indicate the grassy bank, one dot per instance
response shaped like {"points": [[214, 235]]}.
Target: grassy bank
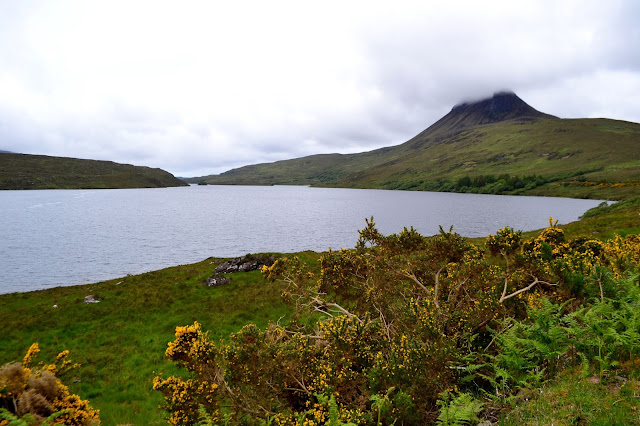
{"points": [[121, 341], [573, 399]]}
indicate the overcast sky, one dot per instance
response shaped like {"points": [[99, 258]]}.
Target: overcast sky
{"points": [[200, 87]]}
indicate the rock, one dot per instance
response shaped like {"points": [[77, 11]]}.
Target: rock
{"points": [[54, 306], [216, 280], [594, 380], [90, 299], [244, 264], [524, 395]]}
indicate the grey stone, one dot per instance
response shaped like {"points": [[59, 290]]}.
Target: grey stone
{"points": [[216, 280], [244, 264]]}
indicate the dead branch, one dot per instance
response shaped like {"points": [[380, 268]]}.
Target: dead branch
{"points": [[387, 326], [239, 401], [522, 290], [455, 292], [497, 334], [301, 384], [308, 336], [506, 276], [322, 310], [436, 288], [415, 280], [601, 289], [336, 308], [422, 286]]}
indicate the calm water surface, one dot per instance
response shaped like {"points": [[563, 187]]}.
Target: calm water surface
{"points": [[67, 237]]}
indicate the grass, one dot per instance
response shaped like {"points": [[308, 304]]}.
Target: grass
{"points": [[120, 341], [23, 171], [575, 400]]}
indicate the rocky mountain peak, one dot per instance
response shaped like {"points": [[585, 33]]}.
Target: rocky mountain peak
{"points": [[501, 106]]}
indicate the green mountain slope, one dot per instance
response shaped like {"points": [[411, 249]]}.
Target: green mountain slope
{"points": [[23, 171], [484, 141]]}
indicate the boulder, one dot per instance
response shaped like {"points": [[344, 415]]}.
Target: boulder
{"points": [[90, 299], [216, 280], [244, 264]]}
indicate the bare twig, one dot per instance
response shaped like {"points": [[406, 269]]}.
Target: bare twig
{"points": [[522, 290], [436, 288], [494, 337], [336, 307], [601, 290], [506, 276], [322, 311], [455, 292], [387, 327], [422, 286], [415, 280], [235, 397], [300, 383]]}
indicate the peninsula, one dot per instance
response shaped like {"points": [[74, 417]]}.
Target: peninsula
{"points": [[24, 171]]}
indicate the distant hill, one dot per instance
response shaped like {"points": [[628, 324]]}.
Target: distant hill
{"points": [[495, 145], [5, 152], [23, 171]]}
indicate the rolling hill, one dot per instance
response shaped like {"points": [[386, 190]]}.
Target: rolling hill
{"points": [[24, 171], [496, 145]]}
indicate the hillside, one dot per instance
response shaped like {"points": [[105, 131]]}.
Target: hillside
{"points": [[482, 142], [23, 171]]}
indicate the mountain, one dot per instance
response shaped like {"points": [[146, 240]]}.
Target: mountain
{"points": [[24, 171], [472, 149], [502, 106]]}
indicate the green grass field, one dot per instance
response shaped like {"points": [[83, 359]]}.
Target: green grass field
{"points": [[575, 400]]}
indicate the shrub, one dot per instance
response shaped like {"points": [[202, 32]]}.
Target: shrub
{"points": [[389, 328], [34, 394]]}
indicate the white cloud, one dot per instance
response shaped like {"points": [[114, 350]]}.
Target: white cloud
{"points": [[199, 87]]}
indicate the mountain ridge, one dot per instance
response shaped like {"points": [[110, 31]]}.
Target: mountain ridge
{"points": [[496, 136]]}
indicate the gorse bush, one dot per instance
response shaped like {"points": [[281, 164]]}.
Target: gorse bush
{"points": [[389, 332], [31, 395]]}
